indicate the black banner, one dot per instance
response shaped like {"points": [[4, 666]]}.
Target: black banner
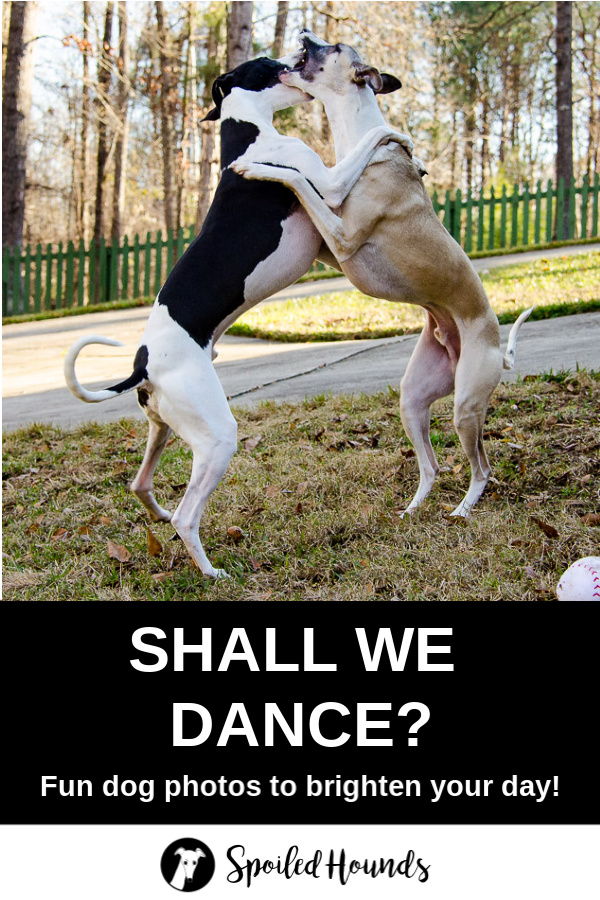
{"points": [[386, 713]]}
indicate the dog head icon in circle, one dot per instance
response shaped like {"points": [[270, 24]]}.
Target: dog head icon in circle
{"points": [[188, 860]]}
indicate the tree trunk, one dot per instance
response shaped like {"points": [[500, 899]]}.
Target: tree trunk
{"points": [[123, 65], [208, 138], [280, 23], [16, 105], [239, 33], [168, 111], [564, 103], [104, 74], [84, 154]]}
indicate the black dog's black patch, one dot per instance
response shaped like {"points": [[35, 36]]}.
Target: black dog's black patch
{"points": [[243, 227]]}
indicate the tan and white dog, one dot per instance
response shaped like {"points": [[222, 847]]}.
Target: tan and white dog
{"points": [[388, 240]]}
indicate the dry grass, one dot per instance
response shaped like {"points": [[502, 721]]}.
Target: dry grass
{"points": [[318, 500]]}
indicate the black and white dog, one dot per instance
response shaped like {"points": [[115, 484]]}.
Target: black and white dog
{"points": [[256, 240]]}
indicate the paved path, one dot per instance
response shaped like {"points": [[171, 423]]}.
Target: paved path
{"points": [[34, 389]]}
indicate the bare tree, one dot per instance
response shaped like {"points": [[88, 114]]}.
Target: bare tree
{"points": [[239, 33], [168, 112], [564, 102], [123, 64], [83, 211], [208, 133], [102, 102], [280, 23], [16, 105]]}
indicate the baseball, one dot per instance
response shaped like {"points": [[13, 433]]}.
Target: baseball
{"points": [[581, 581]]}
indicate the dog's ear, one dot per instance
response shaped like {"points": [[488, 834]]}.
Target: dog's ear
{"points": [[212, 115], [390, 83], [368, 75], [220, 89]]}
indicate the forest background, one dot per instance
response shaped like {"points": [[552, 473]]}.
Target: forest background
{"points": [[103, 101]]}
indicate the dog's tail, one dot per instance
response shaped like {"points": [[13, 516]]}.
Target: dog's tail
{"points": [[139, 374], [511, 347]]}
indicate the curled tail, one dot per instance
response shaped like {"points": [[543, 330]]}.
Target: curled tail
{"points": [[511, 347], [138, 375]]}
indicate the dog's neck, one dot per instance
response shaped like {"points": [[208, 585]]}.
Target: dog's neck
{"points": [[249, 106], [351, 117]]}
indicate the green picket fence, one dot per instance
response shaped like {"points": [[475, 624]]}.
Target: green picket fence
{"points": [[35, 279]]}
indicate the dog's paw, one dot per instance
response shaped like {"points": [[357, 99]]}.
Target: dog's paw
{"points": [[217, 574], [404, 140]]}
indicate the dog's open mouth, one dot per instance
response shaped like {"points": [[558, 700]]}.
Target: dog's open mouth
{"points": [[302, 60]]}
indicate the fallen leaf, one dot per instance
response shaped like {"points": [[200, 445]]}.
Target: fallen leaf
{"points": [[457, 469], [154, 545], [251, 443], [84, 529], [104, 520], [298, 508], [408, 453], [162, 576], [273, 490], [591, 519], [118, 552], [256, 565], [265, 596], [548, 530], [59, 534], [235, 533]]}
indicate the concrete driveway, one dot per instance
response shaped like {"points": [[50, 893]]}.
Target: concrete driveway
{"points": [[250, 370]]}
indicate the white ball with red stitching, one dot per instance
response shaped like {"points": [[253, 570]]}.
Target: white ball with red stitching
{"points": [[581, 581]]}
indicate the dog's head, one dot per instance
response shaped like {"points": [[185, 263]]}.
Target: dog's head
{"points": [[259, 77], [189, 860], [325, 68]]}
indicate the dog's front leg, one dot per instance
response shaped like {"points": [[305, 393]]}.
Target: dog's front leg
{"points": [[339, 180]]}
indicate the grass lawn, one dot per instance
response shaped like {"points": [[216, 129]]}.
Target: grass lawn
{"points": [[315, 490], [557, 286]]}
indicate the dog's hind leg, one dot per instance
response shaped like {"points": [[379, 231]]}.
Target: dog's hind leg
{"points": [[142, 485], [477, 375], [203, 419], [428, 377]]}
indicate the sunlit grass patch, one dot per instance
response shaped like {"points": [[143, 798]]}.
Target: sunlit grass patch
{"points": [[556, 286]]}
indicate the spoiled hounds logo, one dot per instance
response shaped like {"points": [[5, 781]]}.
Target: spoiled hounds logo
{"points": [[187, 865]]}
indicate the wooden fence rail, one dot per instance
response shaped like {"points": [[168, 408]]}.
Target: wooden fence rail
{"points": [[35, 279]]}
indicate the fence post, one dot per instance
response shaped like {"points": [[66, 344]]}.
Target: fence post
{"points": [[585, 188], [27, 280], [170, 244], [70, 275], [136, 267], [435, 204], [59, 276], [17, 304], [594, 232], [81, 274], [469, 223], [572, 211], [560, 210], [180, 247], [125, 269], [37, 284], [5, 280], [158, 263], [526, 199], [503, 215], [492, 226], [549, 195], [147, 264], [514, 225], [480, 214], [538, 213], [48, 300]]}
